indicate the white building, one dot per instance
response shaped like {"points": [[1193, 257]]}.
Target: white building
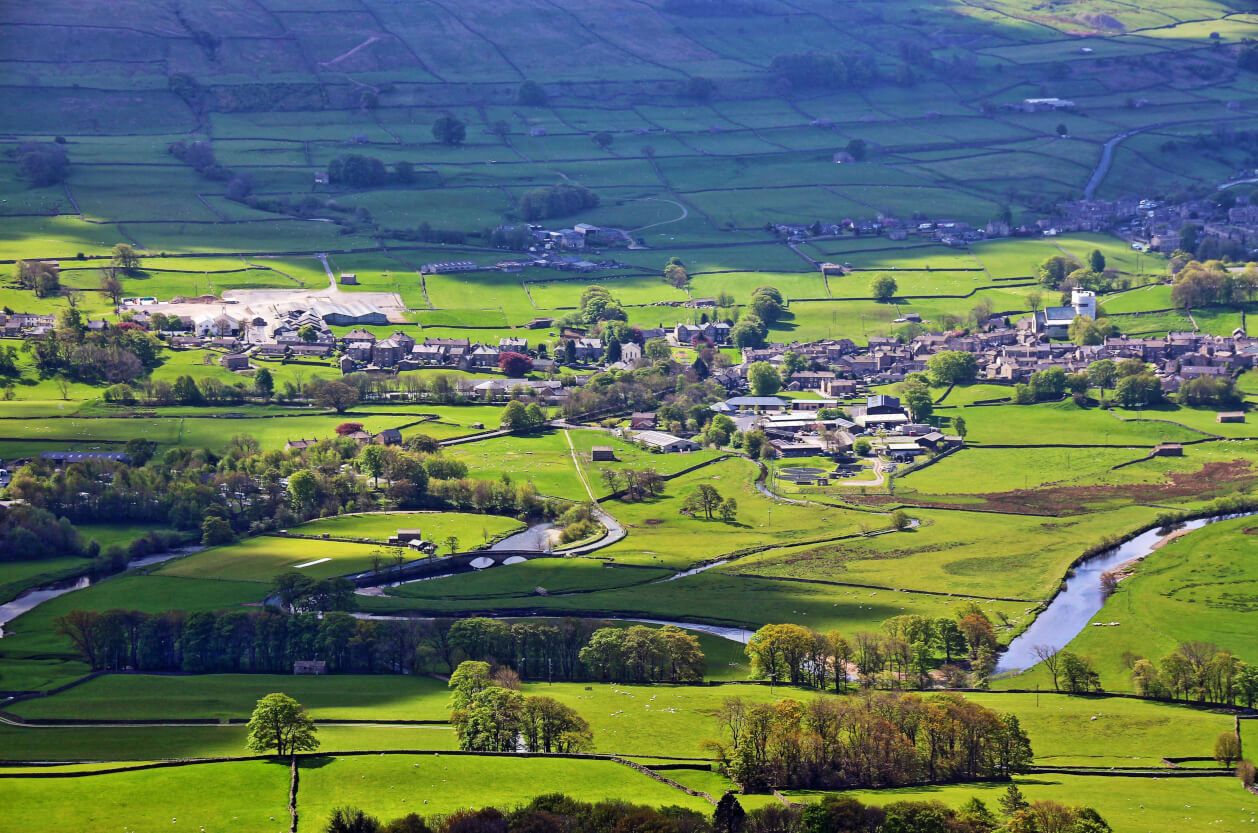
{"points": [[216, 325], [665, 442], [1084, 302]]}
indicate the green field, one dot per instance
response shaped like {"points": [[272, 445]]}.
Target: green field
{"points": [[697, 128], [1130, 805]]}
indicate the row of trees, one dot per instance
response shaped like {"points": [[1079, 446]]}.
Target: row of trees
{"points": [[1133, 383], [557, 813], [826, 70], [1196, 672], [877, 740], [270, 640], [639, 654]]}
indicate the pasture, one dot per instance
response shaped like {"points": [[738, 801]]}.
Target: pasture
{"points": [[939, 133], [1130, 805]]}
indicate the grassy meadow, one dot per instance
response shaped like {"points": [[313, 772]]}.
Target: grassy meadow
{"points": [[281, 90]]}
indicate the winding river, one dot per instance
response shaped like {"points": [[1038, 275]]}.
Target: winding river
{"points": [[1064, 618], [30, 599], [1073, 608]]}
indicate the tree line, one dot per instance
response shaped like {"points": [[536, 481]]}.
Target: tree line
{"points": [[877, 740], [559, 813], [270, 640], [1195, 671]]}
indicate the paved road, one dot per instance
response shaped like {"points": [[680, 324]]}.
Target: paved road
{"points": [[1107, 151]]}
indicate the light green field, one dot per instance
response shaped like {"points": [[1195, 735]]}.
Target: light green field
{"points": [[543, 459], [977, 470], [1064, 422], [248, 795], [1109, 731], [143, 743], [980, 553], [471, 530], [394, 785], [261, 559], [1130, 805]]}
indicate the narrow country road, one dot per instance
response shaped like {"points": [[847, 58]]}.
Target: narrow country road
{"points": [[615, 532], [685, 212]]}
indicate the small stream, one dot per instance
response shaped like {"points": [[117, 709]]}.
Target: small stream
{"points": [[1072, 609], [34, 597]]}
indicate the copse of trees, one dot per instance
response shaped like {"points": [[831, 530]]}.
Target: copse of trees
{"points": [[952, 367], [559, 200], [44, 279], [42, 163], [270, 640], [448, 130], [675, 273], [915, 393], [490, 715], [355, 170], [1200, 284], [115, 354], [884, 740], [884, 287], [182, 486], [1086, 331], [749, 331], [200, 157], [904, 655], [826, 70], [767, 304], [531, 94], [1210, 391], [633, 484], [29, 533], [640, 654], [706, 500], [517, 417]]}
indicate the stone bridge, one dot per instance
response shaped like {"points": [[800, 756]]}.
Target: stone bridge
{"points": [[460, 562]]}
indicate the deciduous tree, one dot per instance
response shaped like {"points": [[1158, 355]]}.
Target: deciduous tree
{"points": [[281, 724]]}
